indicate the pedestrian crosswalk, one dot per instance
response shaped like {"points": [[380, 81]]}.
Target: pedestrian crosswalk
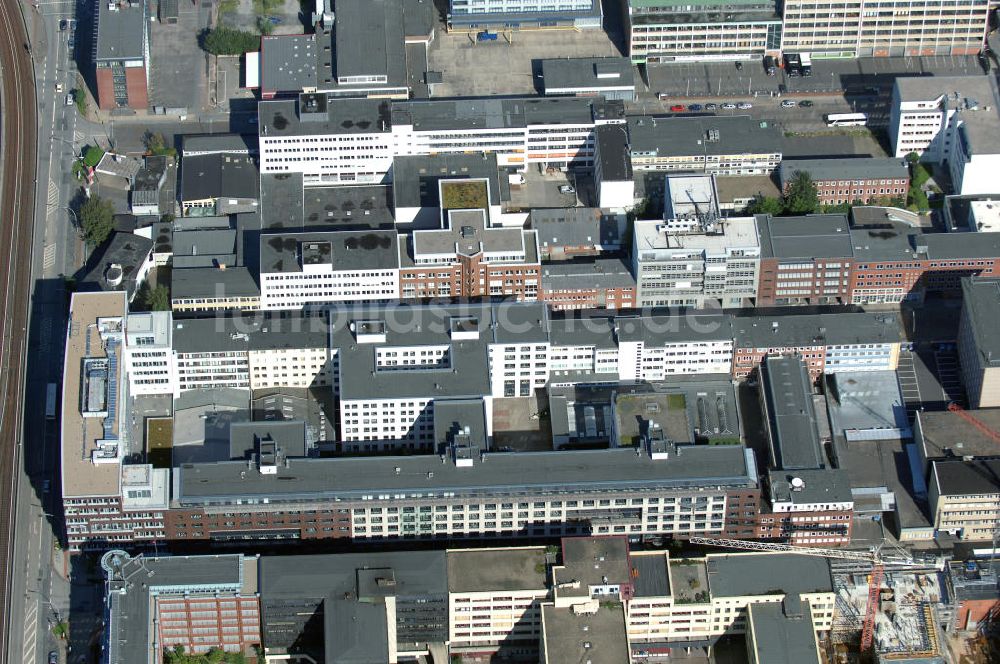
{"points": [[49, 256], [52, 196]]}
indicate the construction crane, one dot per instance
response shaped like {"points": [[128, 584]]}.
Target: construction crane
{"points": [[872, 557]]}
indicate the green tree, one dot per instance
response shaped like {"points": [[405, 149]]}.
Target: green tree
{"points": [[80, 99], [226, 41], [152, 299], [92, 156], [801, 196], [912, 157], [156, 144], [96, 220], [766, 205]]}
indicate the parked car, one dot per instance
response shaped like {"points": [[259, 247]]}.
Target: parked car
{"points": [[566, 189], [728, 107], [69, 100], [677, 108], [711, 107], [744, 106], [789, 103], [739, 66], [59, 87], [805, 103], [53, 657], [695, 107], [63, 24]]}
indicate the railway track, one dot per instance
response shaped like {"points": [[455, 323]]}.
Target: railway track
{"points": [[18, 156]]}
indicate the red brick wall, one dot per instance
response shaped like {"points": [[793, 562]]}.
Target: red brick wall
{"points": [[135, 86], [105, 89]]}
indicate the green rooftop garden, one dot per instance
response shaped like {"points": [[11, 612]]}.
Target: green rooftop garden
{"points": [[464, 195]]}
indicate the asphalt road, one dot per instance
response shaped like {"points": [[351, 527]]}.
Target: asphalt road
{"points": [[17, 158]]}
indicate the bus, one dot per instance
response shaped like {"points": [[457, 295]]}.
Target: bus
{"points": [[846, 120], [50, 401]]}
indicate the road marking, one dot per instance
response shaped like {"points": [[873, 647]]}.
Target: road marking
{"points": [[52, 197], [49, 256]]}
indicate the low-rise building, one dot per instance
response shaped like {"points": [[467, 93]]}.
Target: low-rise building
{"points": [[964, 495], [121, 54], [613, 169], [416, 188], [565, 233], [609, 77], [804, 260], [219, 289], [869, 180], [720, 145], [219, 184], [977, 341], [601, 283]]}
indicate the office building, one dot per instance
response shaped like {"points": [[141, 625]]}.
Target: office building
{"points": [[952, 121], [860, 29], [219, 184], [719, 145], [416, 186], [804, 260], [219, 289], [838, 181], [600, 283], [715, 263], [613, 169], [352, 141], [670, 31], [472, 15], [964, 495], [300, 269], [976, 338], [149, 364], [121, 54], [566, 233]]}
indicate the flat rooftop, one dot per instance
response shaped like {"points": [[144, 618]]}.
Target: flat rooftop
{"points": [[322, 116], [80, 435], [810, 237], [782, 636], [121, 30], [573, 227], [513, 113], [586, 74], [580, 274], [673, 136], [745, 574], [957, 477], [981, 306], [944, 434], [650, 574], [795, 330], [861, 168], [863, 404], [341, 250], [415, 178], [728, 233], [795, 443], [351, 478], [593, 561], [493, 570], [571, 638]]}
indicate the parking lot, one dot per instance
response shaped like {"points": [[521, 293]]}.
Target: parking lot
{"points": [[510, 65], [179, 66]]}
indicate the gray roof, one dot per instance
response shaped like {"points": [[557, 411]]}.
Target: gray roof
{"points": [[343, 250], [794, 438], [151, 176], [956, 477], [210, 335], [687, 136], [415, 178], [331, 575], [369, 39], [651, 577], [945, 434], [789, 330], [598, 273], [355, 632], [574, 227], [827, 485], [492, 113], [572, 638], [525, 17], [467, 233], [281, 201], [289, 436], [981, 307], [129, 601], [124, 249], [956, 92], [492, 570], [597, 330], [578, 470], [348, 208], [613, 153], [861, 168], [212, 282], [783, 633], [220, 175], [323, 116], [587, 73], [207, 243], [461, 422], [743, 574], [122, 32], [288, 62], [810, 237], [593, 561], [656, 329]]}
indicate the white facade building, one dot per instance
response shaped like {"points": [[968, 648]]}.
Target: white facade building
{"points": [[715, 262], [149, 353]]}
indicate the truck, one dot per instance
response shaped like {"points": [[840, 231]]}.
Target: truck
{"points": [[807, 65], [486, 36], [50, 401], [793, 64]]}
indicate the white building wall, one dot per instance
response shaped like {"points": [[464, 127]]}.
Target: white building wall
{"points": [[201, 370], [518, 369], [293, 290], [289, 367], [374, 424], [329, 159]]}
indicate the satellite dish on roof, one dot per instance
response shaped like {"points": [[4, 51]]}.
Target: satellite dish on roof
{"points": [[798, 484]]}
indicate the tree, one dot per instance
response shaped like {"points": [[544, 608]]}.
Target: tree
{"points": [[92, 156], [152, 299], [801, 196], [226, 41], [96, 220], [766, 205], [80, 99], [156, 144], [912, 157]]}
